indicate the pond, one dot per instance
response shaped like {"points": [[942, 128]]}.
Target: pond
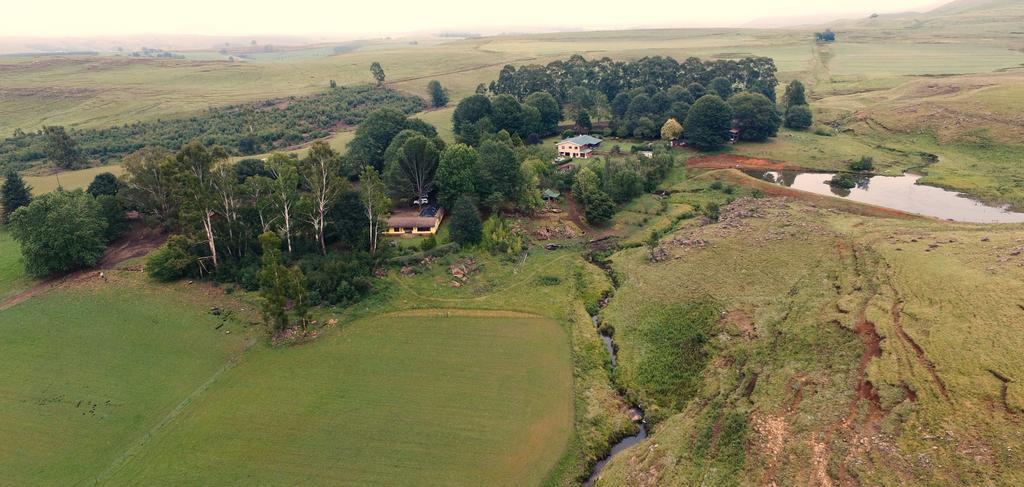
{"points": [[896, 192]]}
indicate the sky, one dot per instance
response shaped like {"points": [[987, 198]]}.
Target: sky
{"points": [[351, 19]]}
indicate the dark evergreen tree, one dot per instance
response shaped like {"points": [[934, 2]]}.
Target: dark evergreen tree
{"points": [[14, 194], [438, 95], [466, 227]]}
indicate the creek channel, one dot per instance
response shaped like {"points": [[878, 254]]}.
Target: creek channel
{"points": [[636, 413]]}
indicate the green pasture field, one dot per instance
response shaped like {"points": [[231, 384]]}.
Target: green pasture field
{"points": [[91, 371], [468, 397], [427, 399]]}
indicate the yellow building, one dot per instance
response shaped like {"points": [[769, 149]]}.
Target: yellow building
{"points": [[413, 222]]}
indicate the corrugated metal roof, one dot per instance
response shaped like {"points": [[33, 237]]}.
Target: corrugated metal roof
{"points": [[583, 140]]}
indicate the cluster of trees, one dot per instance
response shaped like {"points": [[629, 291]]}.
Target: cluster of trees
{"points": [[222, 210], [478, 116], [240, 129], [63, 231], [600, 187], [652, 74]]}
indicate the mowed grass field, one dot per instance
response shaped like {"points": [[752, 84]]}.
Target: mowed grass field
{"points": [[89, 372], [130, 382], [410, 399]]}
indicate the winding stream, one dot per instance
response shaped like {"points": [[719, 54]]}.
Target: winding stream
{"points": [[896, 192], [636, 413]]}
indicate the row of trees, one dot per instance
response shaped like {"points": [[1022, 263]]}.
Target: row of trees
{"points": [[241, 129], [560, 78]]}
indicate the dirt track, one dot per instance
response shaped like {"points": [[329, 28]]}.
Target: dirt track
{"points": [[137, 243]]}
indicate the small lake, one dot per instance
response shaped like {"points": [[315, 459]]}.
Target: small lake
{"points": [[896, 192]]}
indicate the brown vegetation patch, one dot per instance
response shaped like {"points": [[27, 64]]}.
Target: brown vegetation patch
{"points": [[732, 161]]}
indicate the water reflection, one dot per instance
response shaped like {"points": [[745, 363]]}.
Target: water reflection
{"points": [[896, 192]]}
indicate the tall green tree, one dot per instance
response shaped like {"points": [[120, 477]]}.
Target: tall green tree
{"points": [[376, 204], [275, 283], [756, 116], [721, 86], [60, 232], [414, 166], [795, 94], [438, 95], [466, 227], [148, 180], [455, 173], [708, 123], [378, 72], [14, 194], [508, 114], [373, 137], [62, 149], [583, 121], [497, 171], [194, 189], [285, 193], [320, 176], [549, 109]]}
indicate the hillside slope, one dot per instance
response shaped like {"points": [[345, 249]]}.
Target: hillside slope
{"points": [[848, 351]]}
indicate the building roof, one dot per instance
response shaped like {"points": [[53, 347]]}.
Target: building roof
{"points": [[401, 221], [583, 140], [550, 194]]}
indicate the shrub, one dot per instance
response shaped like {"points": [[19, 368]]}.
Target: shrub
{"points": [[548, 280], [428, 243], [716, 185], [711, 211], [171, 261], [842, 180], [338, 278], [502, 237], [865, 163]]}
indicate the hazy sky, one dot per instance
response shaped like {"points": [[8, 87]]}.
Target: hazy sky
{"points": [[347, 18]]}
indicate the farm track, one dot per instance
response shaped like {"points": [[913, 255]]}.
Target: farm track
{"points": [[137, 243]]}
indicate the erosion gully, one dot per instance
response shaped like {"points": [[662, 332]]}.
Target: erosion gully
{"points": [[636, 413]]}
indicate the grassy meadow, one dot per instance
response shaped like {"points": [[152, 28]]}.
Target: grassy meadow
{"points": [[836, 329]]}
